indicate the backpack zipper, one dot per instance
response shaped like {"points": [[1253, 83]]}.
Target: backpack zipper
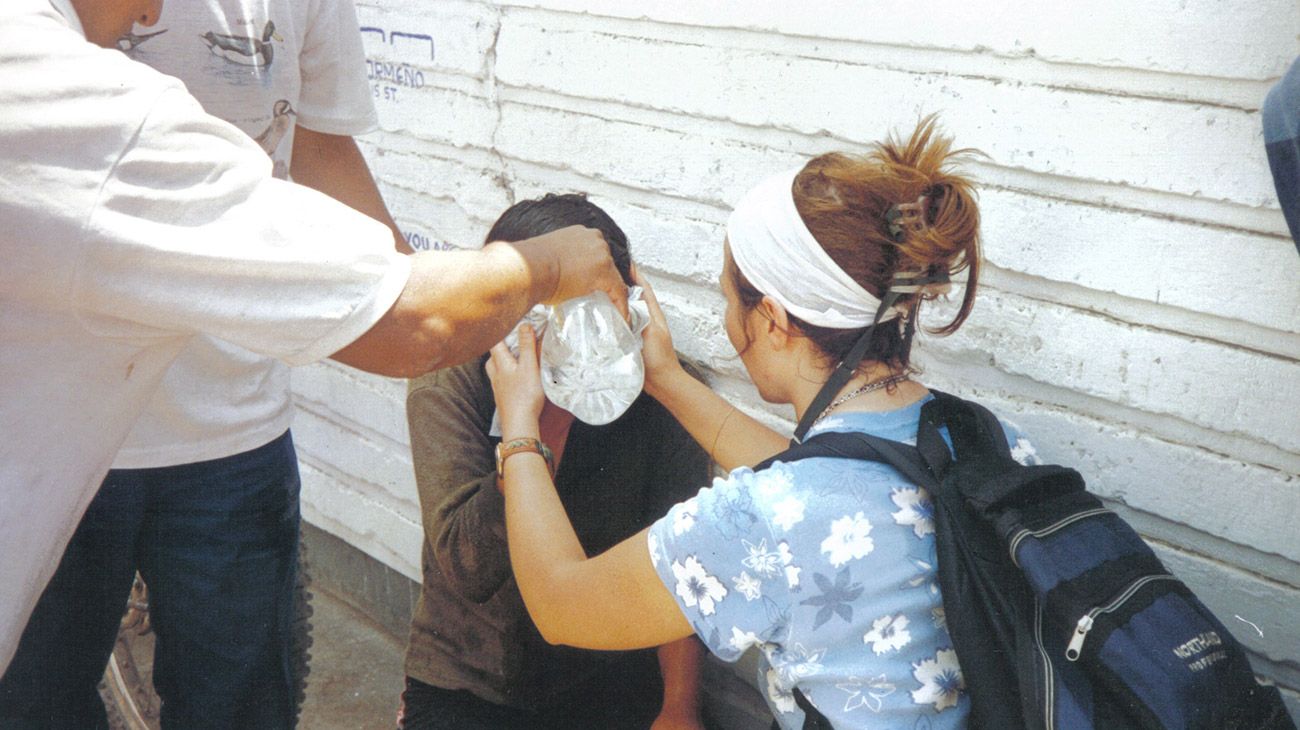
{"points": [[1049, 690], [1075, 648], [1045, 531]]}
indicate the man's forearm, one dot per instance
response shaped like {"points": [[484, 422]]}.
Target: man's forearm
{"points": [[455, 306], [334, 165]]}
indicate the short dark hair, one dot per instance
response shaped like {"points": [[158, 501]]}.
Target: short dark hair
{"points": [[551, 212]]}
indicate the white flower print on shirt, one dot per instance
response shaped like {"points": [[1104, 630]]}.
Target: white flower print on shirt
{"points": [[888, 633], [731, 509], [780, 697], [868, 693], [788, 512], [652, 542], [696, 587], [787, 560], [749, 586], [684, 519], [926, 577], [759, 559], [915, 509], [850, 539], [1024, 452], [774, 481], [939, 618], [941, 680], [742, 640], [798, 663]]}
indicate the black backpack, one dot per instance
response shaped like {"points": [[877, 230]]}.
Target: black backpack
{"points": [[1061, 616]]}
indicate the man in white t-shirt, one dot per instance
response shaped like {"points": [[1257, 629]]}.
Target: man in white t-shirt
{"points": [[203, 496], [132, 222]]}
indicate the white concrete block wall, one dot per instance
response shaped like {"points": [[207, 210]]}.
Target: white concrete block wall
{"points": [[1140, 315]]}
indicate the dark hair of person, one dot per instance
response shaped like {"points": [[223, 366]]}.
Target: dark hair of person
{"points": [[843, 199], [552, 212]]}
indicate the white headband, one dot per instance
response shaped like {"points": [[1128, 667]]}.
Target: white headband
{"points": [[778, 254]]}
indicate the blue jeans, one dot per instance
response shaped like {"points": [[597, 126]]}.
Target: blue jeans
{"points": [[217, 545]]}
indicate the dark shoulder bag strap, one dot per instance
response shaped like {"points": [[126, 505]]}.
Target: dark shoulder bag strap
{"points": [[903, 457]]}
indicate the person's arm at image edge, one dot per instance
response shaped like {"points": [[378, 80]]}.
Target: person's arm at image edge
{"points": [[334, 165]]}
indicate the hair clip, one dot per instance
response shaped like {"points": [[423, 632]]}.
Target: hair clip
{"points": [[902, 217], [931, 283]]}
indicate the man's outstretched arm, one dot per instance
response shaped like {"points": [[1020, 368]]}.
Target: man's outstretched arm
{"points": [[457, 304]]}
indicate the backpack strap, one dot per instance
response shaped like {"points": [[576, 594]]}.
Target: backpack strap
{"points": [[903, 457], [975, 432]]}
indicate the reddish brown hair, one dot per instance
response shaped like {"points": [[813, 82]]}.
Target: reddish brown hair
{"points": [[843, 200]]}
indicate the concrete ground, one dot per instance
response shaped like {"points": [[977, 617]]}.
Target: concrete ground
{"points": [[356, 669]]}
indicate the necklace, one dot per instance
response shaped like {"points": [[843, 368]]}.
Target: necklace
{"points": [[869, 387]]}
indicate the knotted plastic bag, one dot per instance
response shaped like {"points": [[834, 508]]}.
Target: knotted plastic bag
{"points": [[593, 368], [591, 359]]}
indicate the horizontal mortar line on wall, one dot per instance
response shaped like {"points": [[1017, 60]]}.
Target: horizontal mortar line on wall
{"points": [[1198, 552], [349, 484], [354, 487], [374, 439], [577, 180], [1245, 94], [1145, 314], [1285, 675], [1233, 446], [1272, 568], [703, 211], [1222, 214], [383, 143], [444, 198]]}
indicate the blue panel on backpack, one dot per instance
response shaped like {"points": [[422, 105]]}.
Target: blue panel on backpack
{"points": [[1076, 549], [1171, 655]]}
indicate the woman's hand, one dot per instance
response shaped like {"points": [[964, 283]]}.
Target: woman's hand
{"points": [[517, 386], [661, 363]]}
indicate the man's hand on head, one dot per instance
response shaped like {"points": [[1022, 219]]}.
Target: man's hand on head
{"points": [[582, 264]]}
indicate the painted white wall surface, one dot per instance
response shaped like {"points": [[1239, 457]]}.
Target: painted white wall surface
{"points": [[1140, 314]]}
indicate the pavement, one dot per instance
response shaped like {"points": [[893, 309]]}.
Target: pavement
{"points": [[356, 669]]}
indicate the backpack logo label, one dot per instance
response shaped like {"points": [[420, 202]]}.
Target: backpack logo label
{"points": [[1196, 645]]}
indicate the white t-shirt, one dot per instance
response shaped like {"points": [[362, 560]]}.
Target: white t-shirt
{"points": [[129, 222], [262, 65]]}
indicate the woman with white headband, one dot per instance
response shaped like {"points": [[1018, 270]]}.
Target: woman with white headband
{"points": [[825, 564]]}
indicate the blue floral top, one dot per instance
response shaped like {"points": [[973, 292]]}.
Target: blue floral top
{"points": [[827, 565]]}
